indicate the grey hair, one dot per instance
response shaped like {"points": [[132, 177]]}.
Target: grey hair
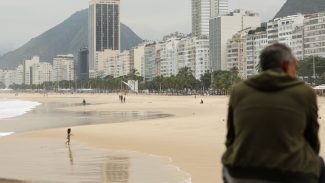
{"points": [[273, 56]]}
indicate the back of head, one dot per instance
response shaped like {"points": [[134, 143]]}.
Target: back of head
{"points": [[274, 56]]}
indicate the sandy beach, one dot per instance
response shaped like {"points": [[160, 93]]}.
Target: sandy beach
{"points": [[193, 137]]}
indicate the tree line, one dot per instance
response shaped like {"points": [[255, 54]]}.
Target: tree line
{"points": [[184, 82]]}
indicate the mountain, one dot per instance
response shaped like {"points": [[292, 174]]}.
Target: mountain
{"points": [[65, 38], [292, 7]]}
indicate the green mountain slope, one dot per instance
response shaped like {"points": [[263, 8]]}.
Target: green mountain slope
{"points": [[65, 38]]}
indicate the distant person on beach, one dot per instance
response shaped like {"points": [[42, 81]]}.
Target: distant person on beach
{"points": [[273, 125], [201, 101], [124, 99], [68, 136], [84, 102]]}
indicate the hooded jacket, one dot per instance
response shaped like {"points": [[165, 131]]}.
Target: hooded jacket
{"points": [[273, 130]]}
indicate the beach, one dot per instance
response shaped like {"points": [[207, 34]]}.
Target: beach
{"points": [[192, 135]]}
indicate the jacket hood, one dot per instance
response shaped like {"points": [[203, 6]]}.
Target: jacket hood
{"points": [[273, 80]]}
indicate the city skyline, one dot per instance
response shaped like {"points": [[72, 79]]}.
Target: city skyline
{"points": [[147, 27]]}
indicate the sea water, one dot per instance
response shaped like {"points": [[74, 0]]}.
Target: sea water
{"points": [[13, 108]]}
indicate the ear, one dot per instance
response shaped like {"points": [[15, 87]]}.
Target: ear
{"points": [[285, 66]]}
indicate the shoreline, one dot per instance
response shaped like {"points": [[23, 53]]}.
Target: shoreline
{"points": [[194, 137]]}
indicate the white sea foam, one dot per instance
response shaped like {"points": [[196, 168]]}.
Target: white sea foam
{"points": [[3, 134], [13, 108]]}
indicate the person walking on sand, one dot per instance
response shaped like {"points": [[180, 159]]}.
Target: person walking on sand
{"points": [[68, 136], [124, 99], [273, 125], [84, 102]]}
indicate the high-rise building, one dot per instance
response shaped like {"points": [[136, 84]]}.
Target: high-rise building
{"points": [[256, 41], [219, 8], [137, 58], [168, 57], [314, 34], [27, 69], [237, 53], [201, 11], [41, 72], [19, 74], [222, 28], [63, 68], [104, 29], [202, 60], [83, 64], [150, 55]]}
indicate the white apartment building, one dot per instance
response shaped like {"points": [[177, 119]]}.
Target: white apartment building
{"points": [[103, 28], [19, 75], [41, 72], [124, 63], [116, 63], [314, 35], [150, 60], [256, 41], [8, 77], [63, 68], [169, 57], [202, 59], [186, 53], [236, 53], [287, 30], [101, 61], [27, 69], [222, 29], [137, 58], [297, 42]]}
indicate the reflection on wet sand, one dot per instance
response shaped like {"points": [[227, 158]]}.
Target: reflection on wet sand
{"points": [[70, 156], [56, 162], [116, 170]]}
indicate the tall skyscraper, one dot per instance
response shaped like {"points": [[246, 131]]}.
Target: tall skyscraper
{"points": [[200, 17], [202, 11], [83, 64], [219, 8], [104, 29]]}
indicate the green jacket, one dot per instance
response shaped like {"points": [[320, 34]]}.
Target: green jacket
{"points": [[273, 130]]}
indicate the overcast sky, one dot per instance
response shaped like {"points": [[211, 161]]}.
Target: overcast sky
{"points": [[22, 20]]}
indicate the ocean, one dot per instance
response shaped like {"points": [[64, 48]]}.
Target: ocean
{"points": [[13, 108]]}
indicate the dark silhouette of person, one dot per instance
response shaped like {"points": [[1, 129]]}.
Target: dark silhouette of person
{"points": [[84, 102], [68, 136], [124, 99], [201, 101], [273, 129]]}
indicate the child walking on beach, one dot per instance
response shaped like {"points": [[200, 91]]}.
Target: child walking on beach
{"points": [[68, 136]]}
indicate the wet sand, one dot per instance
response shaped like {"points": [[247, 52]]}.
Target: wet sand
{"points": [[193, 137], [48, 160]]}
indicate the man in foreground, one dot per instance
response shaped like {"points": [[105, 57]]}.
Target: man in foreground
{"points": [[272, 125]]}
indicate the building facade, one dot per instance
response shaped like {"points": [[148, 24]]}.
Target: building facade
{"points": [[256, 41], [63, 68], [219, 8], [151, 51], [83, 64], [41, 72], [27, 69], [104, 29], [222, 29], [314, 35], [201, 12]]}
